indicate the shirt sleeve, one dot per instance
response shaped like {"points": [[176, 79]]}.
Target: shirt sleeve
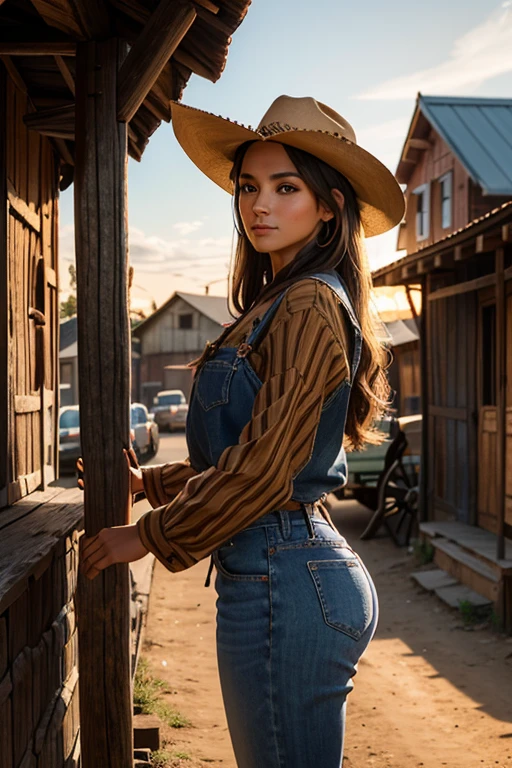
{"points": [[162, 482], [256, 475]]}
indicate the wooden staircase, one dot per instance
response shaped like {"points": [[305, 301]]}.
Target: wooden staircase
{"points": [[468, 554]]}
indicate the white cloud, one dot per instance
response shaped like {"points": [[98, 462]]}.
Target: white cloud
{"points": [[480, 54], [187, 227]]}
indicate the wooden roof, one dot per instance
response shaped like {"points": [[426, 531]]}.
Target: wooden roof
{"points": [[38, 41], [490, 231]]}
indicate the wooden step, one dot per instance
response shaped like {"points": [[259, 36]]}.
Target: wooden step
{"points": [[476, 541], [467, 569], [448, 589]]}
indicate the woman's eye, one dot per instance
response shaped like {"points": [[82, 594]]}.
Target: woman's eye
{"points": [[287, 188], [246, 188]]}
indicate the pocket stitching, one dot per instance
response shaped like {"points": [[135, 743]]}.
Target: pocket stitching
{"points": [[345, 628], [235, 577], [219, 365]]}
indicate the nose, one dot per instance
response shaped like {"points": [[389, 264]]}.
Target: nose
{"points": [[261, 205]]}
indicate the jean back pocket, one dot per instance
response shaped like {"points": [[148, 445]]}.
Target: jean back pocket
{"points": [[213, 383], [345, 594]]}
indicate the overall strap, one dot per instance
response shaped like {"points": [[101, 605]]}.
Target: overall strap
{"points": [[265, 321], [334, 281]]}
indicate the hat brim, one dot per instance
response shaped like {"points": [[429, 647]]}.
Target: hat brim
{"points": [[211, 143]]}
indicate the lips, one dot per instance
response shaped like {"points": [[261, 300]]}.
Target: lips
{"points": [[262, 228]]}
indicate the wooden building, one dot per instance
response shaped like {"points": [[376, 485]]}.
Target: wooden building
{"points": [[457, 164], [82, 84], [174, 335]]}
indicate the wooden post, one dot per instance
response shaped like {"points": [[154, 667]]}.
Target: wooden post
{"points": [[501, 399], [425, 372], [104, 396], [4, 297]]}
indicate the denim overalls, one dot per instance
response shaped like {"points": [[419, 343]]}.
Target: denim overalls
{"points": [[296, 606]]}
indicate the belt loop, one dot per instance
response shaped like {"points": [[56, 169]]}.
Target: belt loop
{"points": [[308, 511], [284, 523]]}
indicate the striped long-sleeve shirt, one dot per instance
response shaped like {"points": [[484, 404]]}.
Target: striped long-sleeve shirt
{"points": [[301, 360]]}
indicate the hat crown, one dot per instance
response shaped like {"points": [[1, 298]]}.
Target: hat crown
{"points": [[306, 113]]}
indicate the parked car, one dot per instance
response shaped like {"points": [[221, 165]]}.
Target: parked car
{"points": [[144, 432], [69, 437], [170, 409]]}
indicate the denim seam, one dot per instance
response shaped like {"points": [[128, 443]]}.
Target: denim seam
{"points": [[314, 544], [270, 539]]}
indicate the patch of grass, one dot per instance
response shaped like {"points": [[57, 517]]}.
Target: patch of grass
{"points": [[161, 758], [147, 696], [423, 551], [474, 614], [182, 755]]}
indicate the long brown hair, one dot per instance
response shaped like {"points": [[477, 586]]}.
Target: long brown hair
{"points": [[339, 246]]}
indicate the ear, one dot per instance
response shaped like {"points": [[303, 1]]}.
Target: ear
{"points": [[327, 214]]}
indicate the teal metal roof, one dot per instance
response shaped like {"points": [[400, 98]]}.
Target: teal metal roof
{"points": [[479, 132]]}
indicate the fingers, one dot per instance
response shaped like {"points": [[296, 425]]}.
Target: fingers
{"points": [[94, 556]]}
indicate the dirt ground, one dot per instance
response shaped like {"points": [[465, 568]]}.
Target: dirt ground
{"points": [[428, 692]]}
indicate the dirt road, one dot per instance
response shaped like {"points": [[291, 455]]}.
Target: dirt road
{"points": [[427, 693]]}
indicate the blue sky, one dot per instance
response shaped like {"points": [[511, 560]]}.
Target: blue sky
{"points": [[366, 60]]}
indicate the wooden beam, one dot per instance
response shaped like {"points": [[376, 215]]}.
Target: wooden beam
{"points": [[14, 74], [66, 73], [38, 49], [190, 61], [58, 122], [80, 18], [21, 209], [419, 144], [103, 605], [501, 402], [207, 5], [165, 29], [455, 290]]}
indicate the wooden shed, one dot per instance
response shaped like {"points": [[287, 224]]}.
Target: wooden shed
{"points": [[466, 332], [82, 85], [173, 336]]}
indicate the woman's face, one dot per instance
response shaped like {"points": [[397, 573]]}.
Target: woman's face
{"points": [[279, 212]]}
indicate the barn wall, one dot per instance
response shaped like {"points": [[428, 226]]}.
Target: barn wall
{"points": [[31, 182], [38, 538], [432, 164], [163, 343]]}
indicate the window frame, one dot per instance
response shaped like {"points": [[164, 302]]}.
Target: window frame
{"points": [[446, 178], [424, 191], [186, 327]]}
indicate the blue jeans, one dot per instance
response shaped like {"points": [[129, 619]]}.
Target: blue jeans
{"points": [[296, 609]]}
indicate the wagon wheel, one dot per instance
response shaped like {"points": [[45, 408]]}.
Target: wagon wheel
{"points": [[397, 504]]}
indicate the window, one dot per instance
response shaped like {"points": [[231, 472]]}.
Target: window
{"points": [[422, 195], [138, 415], [185, 321], [445, 185]]}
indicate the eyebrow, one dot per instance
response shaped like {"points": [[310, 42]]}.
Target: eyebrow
{"points": [[281, 175]]}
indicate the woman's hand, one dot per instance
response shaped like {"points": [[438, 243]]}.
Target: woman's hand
{"points": [[134, 472], [120, 544]]}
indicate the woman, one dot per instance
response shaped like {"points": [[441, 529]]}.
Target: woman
{"points": [[299, 374]]}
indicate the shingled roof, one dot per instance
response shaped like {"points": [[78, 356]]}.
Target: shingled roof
{"points": [[38, 42], [477, 130]]}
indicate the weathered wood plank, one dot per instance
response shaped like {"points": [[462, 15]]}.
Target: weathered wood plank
{"points": [[34, 537], [65, 48], [104, 381], [58, 122], [21, 209], [165, 29], [4, 293]]}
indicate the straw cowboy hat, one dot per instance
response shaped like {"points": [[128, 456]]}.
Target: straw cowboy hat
{"points": [[304, 123]]}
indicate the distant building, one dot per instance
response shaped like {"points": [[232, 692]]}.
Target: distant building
{"points": [[457, 232], [173, 336]]}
